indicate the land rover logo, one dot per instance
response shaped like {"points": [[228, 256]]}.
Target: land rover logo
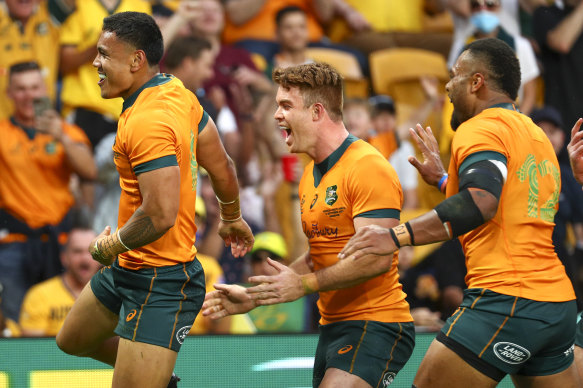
{"points": [[511, 353]]}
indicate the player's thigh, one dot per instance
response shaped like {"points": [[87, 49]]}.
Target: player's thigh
{"points": [[339, 378], [567, 378], [442, 367], [372, 351], [142, 365], [87, 325]]}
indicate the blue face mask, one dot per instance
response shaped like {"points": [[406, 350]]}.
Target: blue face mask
{"points": [[485, 21]]}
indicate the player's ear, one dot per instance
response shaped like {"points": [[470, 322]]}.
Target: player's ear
{"points": [[478, 81], [317, 110], [139, 60]]}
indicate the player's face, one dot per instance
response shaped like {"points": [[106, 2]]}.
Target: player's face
{"points": [[295, 119], [458, 89], [113, 62], [293, 32], [76, 258], [23, 89]]}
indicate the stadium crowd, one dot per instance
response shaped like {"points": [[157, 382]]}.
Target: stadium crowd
{"points": [[59, 185]]}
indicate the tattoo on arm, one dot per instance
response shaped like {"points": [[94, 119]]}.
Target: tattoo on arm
{"points": [[139, 231]]}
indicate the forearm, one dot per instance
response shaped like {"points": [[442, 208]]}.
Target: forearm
{"points": [[417, 116], [79, 158], [324, 10], [141, 229], [460, 8], [564, 35], [241, 11], [346, 273], [172, 27], [529, 97], [224, 180], [302, 265], [72, 59]]}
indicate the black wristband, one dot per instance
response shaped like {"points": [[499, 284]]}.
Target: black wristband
{"points": [[410, 230], [394, 236]]}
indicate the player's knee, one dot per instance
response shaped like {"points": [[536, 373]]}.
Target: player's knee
{"points": [[65, 343]]}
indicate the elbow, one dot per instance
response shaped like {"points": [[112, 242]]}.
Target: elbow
{"points": [[90, 173], [167, 220], [558, 44]]}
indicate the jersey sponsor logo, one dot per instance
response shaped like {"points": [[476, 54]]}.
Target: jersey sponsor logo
{"points": [[317, 232], [182, 333], [511, 353], [345, 349], [388, 379], [51, 148], [314, 201], [331, 195], [131, 315]]}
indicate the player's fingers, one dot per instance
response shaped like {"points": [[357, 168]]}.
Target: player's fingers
{"points": [[576, 127], [414, 162], [261, 280]]}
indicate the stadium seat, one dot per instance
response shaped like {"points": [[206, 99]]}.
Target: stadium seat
{"points": [[355, 84]]}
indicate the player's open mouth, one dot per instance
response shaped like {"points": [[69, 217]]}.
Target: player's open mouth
{"points": [[102, 78]]}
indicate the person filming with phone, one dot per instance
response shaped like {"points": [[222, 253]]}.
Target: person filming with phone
{"points": [[39, 153]]}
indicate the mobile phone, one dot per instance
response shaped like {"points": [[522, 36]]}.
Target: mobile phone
{"points": [[41, 105]]}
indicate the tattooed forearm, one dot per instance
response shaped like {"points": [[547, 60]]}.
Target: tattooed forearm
{"points": [[139, 230]]}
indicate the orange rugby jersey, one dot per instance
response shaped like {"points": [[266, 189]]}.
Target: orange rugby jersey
{"points": [[35, 174], [355, 180], [159, 128], [513, 253]]}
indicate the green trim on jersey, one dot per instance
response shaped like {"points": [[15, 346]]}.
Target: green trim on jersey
{"points": [[164, 161], [157, 80], [321, 169], [482, 155], [203, 121], [381, 213]]}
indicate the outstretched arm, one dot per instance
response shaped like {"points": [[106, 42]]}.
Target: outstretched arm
{"points": [[211, 155], [289, 285]]}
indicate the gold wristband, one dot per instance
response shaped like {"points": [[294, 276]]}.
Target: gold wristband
{"points": [[230, 211], [402, 235]]}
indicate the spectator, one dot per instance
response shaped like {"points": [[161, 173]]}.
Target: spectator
{"points": [[292, 36], [374, 25], [30, 32], [251, 24], [191, 60], [46, 304], [82, 101], [38, 155], [558, 31], [485, 20], [570, 211]]}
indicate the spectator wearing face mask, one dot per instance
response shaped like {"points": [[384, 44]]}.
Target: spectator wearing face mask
{"points": [[486, 21]]}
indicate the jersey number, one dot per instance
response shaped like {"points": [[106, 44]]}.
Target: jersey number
{"points": [[528, 172]]}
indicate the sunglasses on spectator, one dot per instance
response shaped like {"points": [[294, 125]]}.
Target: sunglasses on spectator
{"points": [[489, 4]]}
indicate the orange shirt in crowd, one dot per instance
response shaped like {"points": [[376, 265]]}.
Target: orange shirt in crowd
{"points": [[385, 142], [262, 26], [513, 254], [35, 174], [355, 180], [158, 128]]}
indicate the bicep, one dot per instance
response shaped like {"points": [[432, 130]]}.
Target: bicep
{"points": [[360, 222], [160, 188]]}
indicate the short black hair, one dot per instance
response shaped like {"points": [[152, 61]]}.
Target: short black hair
{"points": [[138, 29], [286, 11], [21, 67], [501, 62], [185, 47]]}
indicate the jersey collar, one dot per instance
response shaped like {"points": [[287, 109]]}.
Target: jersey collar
{"points": [[322, 168], [504, 105], [158, 79], [30, 131]]}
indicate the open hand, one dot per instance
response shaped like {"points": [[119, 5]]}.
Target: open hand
{"points": [[228, 299], [369, 240], [431, 169], [284, 287]]}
